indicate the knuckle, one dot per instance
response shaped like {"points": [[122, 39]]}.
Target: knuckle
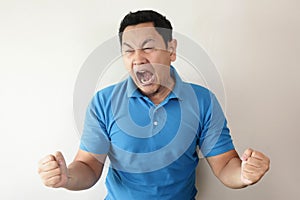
{"points": [[57, 171], [267, 167], [52, 164], [268, 160], [39, 170], [259, 173], [246, 166], [246, 176], [54, 181], [46, 183], [43, 176], [51, 157], [46, 159], [250, 160]]}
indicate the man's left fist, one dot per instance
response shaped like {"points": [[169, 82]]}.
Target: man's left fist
{"points": [[254, 165]]}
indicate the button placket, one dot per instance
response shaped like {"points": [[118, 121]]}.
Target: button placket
{"points": [[158, 118], [155, 117]]}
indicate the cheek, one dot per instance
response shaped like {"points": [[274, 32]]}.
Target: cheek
{"points": [[127, 64], [162, 58], [128, 68], [162, 73]]}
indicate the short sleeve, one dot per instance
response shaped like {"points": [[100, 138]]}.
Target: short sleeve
{"points": [[94, 138], [215, 136]]}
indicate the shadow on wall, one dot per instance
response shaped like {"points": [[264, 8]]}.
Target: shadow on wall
{"points": [[203, 178], [209, 187]]}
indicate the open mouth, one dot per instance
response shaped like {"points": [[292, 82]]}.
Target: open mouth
{"points": [[145, 75]]}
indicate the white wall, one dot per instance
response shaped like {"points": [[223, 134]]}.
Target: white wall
{"points": [[43, 44]]}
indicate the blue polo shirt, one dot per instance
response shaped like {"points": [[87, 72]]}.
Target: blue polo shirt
{"points": [[152, 148]]}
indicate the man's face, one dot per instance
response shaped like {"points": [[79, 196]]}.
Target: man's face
{"points": [[146, 57]]}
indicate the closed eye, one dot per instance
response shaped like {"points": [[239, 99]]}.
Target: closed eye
{"points": [[126, 48], [148, 49], [128, 51]]}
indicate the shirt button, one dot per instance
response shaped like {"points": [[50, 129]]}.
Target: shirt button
{"points": [[155, 123]]}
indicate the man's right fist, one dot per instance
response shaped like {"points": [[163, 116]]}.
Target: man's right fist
{"points": [[53, 170]]}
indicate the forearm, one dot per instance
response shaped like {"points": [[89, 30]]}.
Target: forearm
{"points": [[231, 174], [80, 176]]}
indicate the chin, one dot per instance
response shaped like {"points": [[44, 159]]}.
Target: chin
{"points": [[149, 90]]}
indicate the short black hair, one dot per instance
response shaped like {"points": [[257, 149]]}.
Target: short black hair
{"points": [[161, 23]]}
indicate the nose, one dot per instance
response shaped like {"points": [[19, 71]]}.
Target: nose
{"points": [[139, 57]]}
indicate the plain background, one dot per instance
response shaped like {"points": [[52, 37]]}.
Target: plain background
{"points": [[255, 46]]}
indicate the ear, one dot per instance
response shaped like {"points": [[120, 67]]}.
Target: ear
{"points": [[172, 45]]}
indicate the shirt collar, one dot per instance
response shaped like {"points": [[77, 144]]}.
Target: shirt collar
{"points": [[132, 90]]}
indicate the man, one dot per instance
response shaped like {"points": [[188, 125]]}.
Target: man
{"points": [[150, 125]]}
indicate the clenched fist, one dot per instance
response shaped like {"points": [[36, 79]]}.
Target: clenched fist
{"points": [[53, 170], [254, 165]]}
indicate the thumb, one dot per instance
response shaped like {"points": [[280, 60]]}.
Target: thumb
{"points": [[63, 168], [61, 162], [247, 154]]}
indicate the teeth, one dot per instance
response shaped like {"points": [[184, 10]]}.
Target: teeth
{"points": [[143, 81], [145, 77]]}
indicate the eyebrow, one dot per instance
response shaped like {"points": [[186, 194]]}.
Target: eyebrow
{"points": [[143, 44], [124, 43], [147, 40]]}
